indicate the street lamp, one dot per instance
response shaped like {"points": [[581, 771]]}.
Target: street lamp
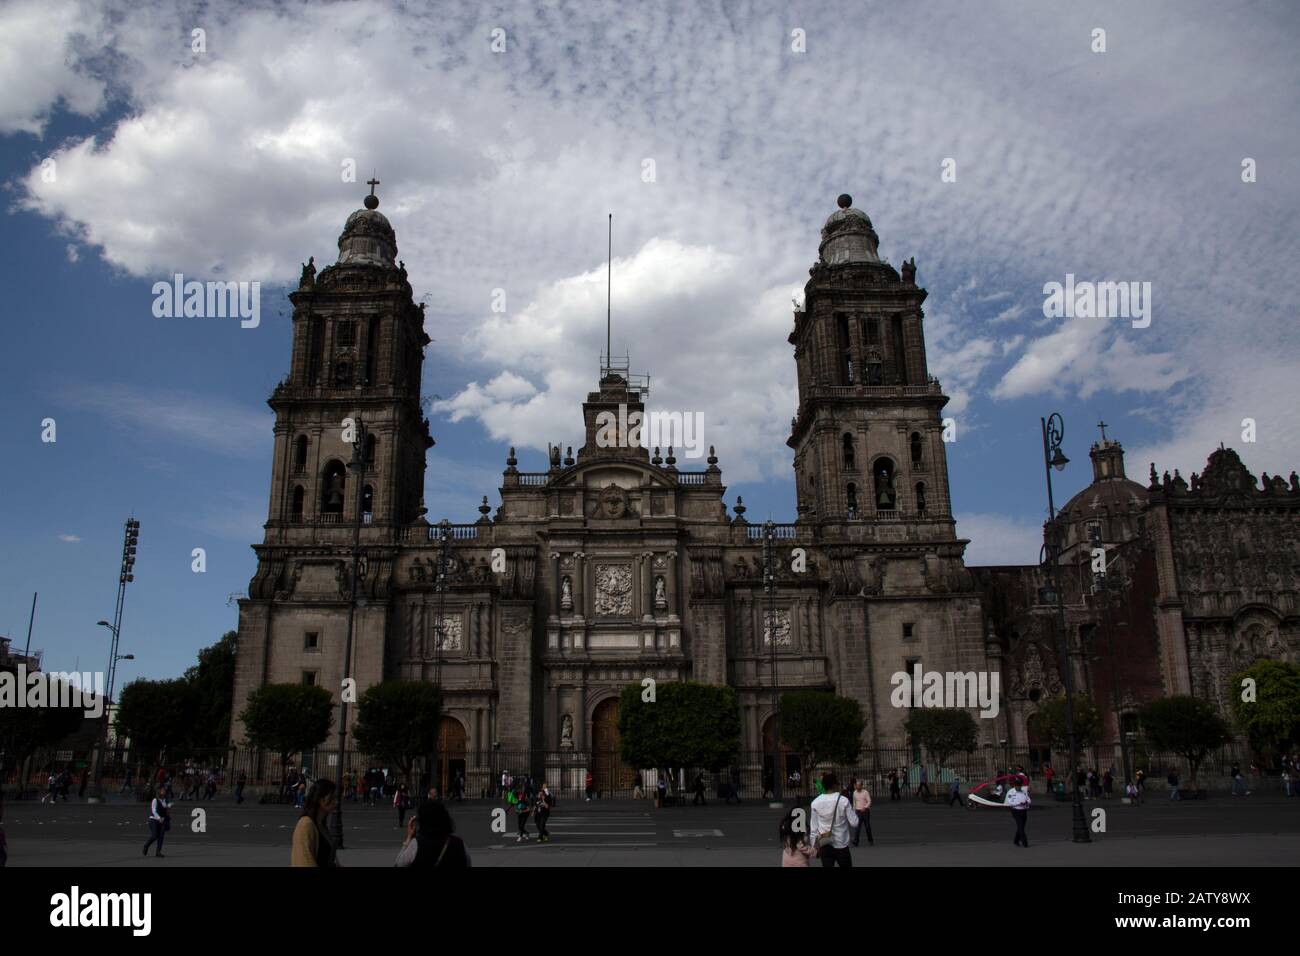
{"points": [[1053, 433], [357, 466], [769, 583], [126, 574]]}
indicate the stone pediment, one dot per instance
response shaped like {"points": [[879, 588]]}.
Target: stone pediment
{"points": [[597, 475]]}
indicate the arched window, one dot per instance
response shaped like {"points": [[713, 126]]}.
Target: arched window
{"points": [[851, 495], [886, 499], [845, 349], [371, 442], [848, 452], [920, 497], [296, 504], [367, 504], [300, 453], [372, 351], [333, 486], [916, 448]]}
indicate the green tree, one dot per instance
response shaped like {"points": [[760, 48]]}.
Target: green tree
{"points": [[1187, 726], [212, 680], [943, 731], [686, 725], [397, 721], [157, 715], [1087, 722], [821, 726], [1270, 717], [25, 730], [287, 718]]}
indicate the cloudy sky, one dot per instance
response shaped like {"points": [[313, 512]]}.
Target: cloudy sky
{"points": [[719, 135]]}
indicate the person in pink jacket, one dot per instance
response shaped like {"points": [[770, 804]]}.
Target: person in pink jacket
{"points": [[795, 848]]}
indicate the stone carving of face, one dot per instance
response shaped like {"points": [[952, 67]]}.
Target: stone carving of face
{"points": [[611, 500]]}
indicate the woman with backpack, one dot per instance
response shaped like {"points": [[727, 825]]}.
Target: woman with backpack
{"points": [[160, 821], [431, 840]]}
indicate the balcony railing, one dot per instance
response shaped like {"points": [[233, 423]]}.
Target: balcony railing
{"points": [[784, 532]]}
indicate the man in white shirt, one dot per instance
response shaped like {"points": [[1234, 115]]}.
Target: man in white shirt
{"points": [[832, 813], [1018, 800]]}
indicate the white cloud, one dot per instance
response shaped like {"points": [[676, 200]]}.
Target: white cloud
{"points": [[69, 538], [1000, 539], [72, 253], [46, 60], [215, 425]]}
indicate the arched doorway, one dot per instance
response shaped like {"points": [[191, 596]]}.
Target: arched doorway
{"points": [[608, 773], [789, 761], [451, 752], [1040, 747]]}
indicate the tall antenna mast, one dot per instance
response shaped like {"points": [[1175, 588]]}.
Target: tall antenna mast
{"points": [[609, 290]]}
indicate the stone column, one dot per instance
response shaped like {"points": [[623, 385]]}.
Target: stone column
{"points": [[555, 582], [579, 606], [647, 584], [670, 582]]}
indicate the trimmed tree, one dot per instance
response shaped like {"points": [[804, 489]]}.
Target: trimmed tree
{"points": [[1267, 711], [397, 721], [1187, 726], [25, 730], [1087, 722], [822, 726], [943, 731], [685, 725], [157, 715], [288, 718]]}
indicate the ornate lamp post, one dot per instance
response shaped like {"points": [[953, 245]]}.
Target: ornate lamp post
{"points": [[357, 466], [770, 567], [439, 636], [1053, 433]]}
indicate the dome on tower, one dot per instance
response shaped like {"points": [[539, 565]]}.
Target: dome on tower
{"points": [[848, 235], [368, 238]]}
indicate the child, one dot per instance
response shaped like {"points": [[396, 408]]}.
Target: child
{"points": [[795, 848]]}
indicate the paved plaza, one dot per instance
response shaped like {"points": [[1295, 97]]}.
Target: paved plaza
{"points": [[1222, 831]]}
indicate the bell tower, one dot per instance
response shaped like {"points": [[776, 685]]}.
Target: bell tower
{"points": [[358, 350], [868, 436]]}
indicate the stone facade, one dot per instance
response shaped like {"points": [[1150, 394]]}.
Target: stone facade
{"points": [[614, 565]]}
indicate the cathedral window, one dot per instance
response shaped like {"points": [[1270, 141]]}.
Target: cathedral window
{"points": [[849, 457], [875, 374], [332, 484], [367, 504], [371, 443], [295, 507], [346, 335], [886, 499], [851, 494], [315, 351], [900, 356], [309, 678], [873, 330], [920, 497], [311, 641], [909, 632], [845, 349], [916, 448], [300, 454]]}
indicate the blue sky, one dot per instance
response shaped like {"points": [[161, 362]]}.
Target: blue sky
{"points": [[498, 169]]}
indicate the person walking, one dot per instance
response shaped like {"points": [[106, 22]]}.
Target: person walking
{"points": [[661, 790], [832, 818], [240, 781], [51, 789], [1238, 782], [1141, 782], [895, 791], [862, 807], [699, 790], [542, 809], [402, 803], [522, 810], [160, 821], [1018, 800], [1048, 774], [589, 784], [431, 840], [1108, 783], [923, 785], [795, 848], [311, 844], [1131, 791], [954, 791], [1173, 785]]}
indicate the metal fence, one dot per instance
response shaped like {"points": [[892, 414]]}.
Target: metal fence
{"points": [[477, 774]]}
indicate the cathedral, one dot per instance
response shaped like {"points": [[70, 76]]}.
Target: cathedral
{"points": [[615, 565]]}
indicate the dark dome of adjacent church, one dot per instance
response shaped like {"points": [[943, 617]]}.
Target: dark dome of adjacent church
{"points": [[1112, 501]]}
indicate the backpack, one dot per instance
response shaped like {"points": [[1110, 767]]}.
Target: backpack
{"points": [[549, 799]]}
